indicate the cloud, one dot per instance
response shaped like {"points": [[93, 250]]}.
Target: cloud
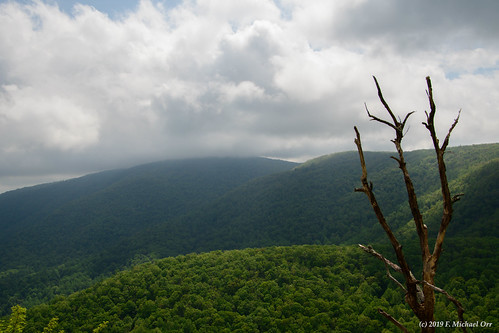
{"points": [[86, 90]]}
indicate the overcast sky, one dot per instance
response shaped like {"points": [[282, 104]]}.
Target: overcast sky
{"points": [[92, 85]]}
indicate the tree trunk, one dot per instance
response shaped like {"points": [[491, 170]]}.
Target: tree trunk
{"points": [[420, 295]]}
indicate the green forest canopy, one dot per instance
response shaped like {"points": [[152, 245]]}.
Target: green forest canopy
{"points": [[307, 288], [313, 203]]}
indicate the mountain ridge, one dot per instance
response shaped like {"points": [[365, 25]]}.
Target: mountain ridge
{"points": [[127, 222]]}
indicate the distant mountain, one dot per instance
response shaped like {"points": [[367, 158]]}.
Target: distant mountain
{"points": [[65, 223], [117, 203], [60, 237]]}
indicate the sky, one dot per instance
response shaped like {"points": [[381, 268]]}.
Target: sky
{"points": [[87, 85]]}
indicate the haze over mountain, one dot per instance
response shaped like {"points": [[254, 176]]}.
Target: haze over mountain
{"points": [[118, 203], [59, 237], [90, 85]]}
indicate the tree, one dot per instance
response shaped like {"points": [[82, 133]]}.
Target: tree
{"points": [[17, 320], [52, 325], [419, 294]]}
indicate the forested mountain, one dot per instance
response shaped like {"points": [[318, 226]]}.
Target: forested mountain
{"points": [[307, 288], [315, 203], [147, 193], [54, 234], [61, 237]]}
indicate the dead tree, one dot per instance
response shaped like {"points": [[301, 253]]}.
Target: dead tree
{"points": [[419, 294]]}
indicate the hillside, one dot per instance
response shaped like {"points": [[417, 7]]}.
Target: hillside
{"points": [[53, 234], [315, 204], [144, 194], [90, 231], [277, 289]]}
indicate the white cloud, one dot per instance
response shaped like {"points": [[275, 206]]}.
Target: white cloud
{"points": [[85, 91], [46, 121]]}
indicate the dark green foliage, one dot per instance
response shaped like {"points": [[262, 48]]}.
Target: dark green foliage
{"points": [[315, 203], [305, 288], [57, 238], [481, 194], [87, 212], [278, 289], [74, 233]]}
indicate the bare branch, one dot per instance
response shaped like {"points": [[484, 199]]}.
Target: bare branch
{"points": [[390, 276], [393, 320], [385, 104], [430, 117], [413, 296], [370, 250], [396, 159], [413, 202], [398, 125], [358, 143], [407, 117], [373, 117], [447, 137], [433, 108], [446, 196], [457, 197]]}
